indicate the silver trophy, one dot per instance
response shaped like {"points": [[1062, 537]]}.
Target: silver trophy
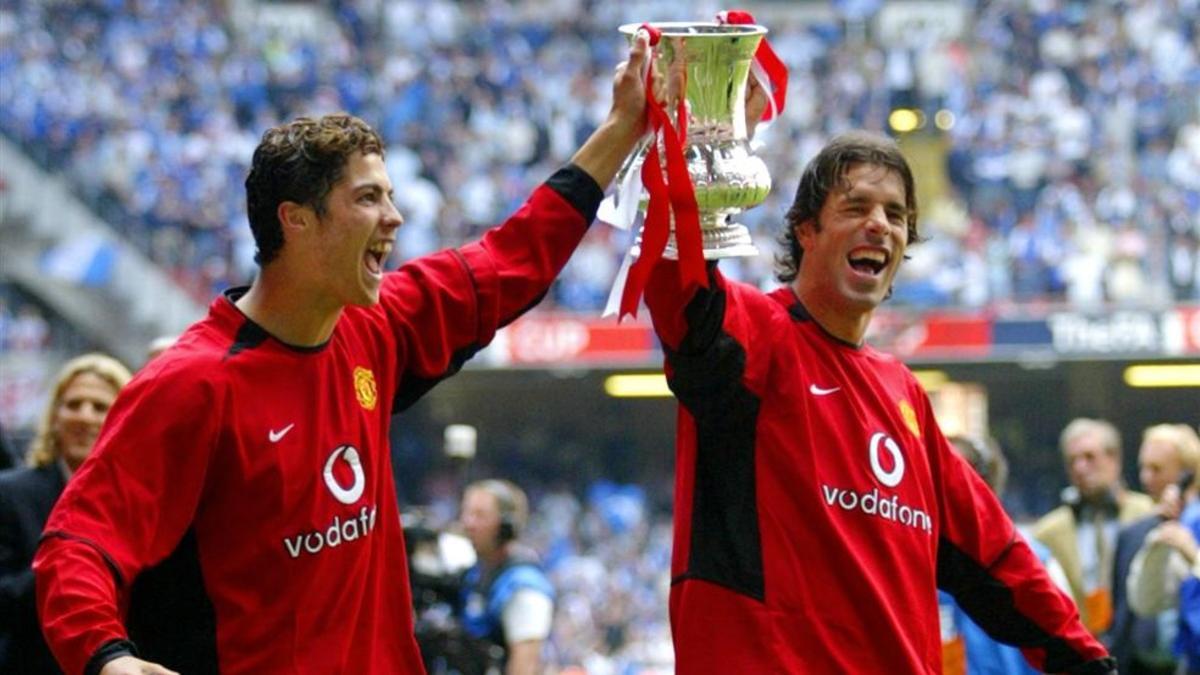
{"points": [[714, 62]]}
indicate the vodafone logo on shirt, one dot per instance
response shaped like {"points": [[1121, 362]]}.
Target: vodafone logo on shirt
{"points": [[887, 464], [343, 460], [349, 455], [893, 477]]}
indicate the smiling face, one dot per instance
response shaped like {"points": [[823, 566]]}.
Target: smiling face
{"points": [[852, 251], [355, 232], [80, 412]]}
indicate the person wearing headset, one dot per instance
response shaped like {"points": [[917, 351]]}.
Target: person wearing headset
{"points": [[507, 599]]}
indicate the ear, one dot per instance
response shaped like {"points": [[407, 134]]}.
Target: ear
{"points": [[805, 232], [294, 218]]}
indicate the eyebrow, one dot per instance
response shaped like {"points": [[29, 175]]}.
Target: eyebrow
{"points": [[859, 200], [373, 187]]}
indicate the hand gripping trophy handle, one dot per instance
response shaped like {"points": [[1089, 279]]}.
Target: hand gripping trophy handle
{"points": [[709, 64]]}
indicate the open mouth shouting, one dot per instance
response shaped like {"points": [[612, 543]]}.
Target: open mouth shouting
{"points": [[869, 261], [376, 255]]}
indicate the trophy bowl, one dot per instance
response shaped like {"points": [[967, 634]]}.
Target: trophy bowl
{"points": [[708, 64]]}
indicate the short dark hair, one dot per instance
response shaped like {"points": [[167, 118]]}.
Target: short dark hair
{"points": [[827, 172], [300, 162]]}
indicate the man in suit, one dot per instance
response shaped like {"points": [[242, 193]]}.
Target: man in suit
{"points": [[1082, 532], [1142, 645]]}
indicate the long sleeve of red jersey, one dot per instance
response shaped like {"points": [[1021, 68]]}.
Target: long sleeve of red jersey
{"points": [[996, 577], [679, 313], [447, 306], [114, 518]]}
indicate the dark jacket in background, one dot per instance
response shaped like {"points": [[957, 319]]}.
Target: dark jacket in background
{"points": [[1133, 639], [26, 497]]}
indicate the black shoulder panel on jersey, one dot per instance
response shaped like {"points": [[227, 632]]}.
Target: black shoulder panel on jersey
{"points": [[171, 618], [249, 336], [705, 314], [412, 388], [991, 604], [579, 188], [726, 546]]}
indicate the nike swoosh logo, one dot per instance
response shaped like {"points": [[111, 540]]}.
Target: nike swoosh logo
{"points": [[817, 391], [276, 435]]}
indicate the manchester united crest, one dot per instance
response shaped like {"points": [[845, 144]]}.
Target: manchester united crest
{"points": [[364, 387]]}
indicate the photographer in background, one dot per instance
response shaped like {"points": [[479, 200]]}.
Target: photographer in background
{"points": [[507, 599]]}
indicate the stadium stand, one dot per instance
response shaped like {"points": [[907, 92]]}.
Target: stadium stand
{"points": [[1070, 139]]}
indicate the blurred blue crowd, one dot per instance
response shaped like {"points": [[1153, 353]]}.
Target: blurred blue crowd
{"points": [[1070, 134]]}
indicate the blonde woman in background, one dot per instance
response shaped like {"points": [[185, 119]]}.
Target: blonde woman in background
{"points": [[84, 390]]}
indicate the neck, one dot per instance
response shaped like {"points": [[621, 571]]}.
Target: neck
{"points": [[495, 557], [68, 468], [846, 324], [1104, 496], [287, 310]]}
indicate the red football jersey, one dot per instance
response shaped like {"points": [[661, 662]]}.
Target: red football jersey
{"points": [[818, 507], [267, 466]]}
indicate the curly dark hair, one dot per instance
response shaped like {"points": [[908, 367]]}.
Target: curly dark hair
{"points": [[827, 172], [300, 162]]}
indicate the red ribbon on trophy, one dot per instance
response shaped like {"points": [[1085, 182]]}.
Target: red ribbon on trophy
{"points": [[770, 70], [672, 195]]}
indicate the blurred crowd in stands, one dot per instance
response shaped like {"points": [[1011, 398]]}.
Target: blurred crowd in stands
{"points": [[23, 328], [1072, 160]]}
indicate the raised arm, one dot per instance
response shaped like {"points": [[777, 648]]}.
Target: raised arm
{"points": [[446, 307], [603, 153]]}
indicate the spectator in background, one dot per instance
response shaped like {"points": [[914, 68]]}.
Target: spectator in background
{"points": [[1082, 532], [967, 648], [507, 599], [1143, 645], [84, 390], [1164, 574]]}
